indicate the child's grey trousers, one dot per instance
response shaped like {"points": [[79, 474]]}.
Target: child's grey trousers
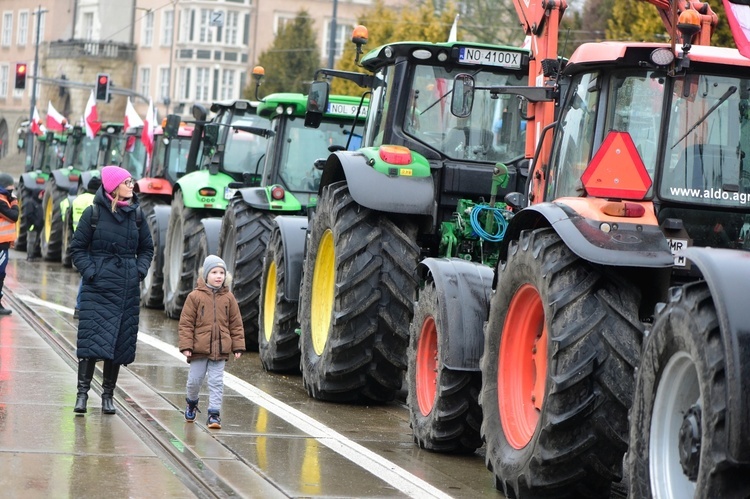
{"points": [[215, 370]]}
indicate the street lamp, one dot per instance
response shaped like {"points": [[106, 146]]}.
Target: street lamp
{"points": [[30, 136]]}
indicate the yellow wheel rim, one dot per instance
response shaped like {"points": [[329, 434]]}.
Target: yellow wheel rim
{"points": [[323, 281], [48, 210], [269, 301]]}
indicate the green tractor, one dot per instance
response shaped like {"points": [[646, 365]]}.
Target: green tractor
{"points": [[82, 158], [288, 185], [234, 146]]}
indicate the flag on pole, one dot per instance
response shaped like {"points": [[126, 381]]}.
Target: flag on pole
{"points": [[132, 120], [738, 17], [91, 117], [453, 36], [147, 136], [55, 121], [36, 124]]}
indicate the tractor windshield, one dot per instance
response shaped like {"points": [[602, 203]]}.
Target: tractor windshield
{"points": [[176, 164], [494, 131], [706, 158], [244, 151], [303, 146]]}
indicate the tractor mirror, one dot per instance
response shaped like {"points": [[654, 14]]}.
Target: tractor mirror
{"points": [[317, 103], [211, 134], [462, 100], [172, 127]]}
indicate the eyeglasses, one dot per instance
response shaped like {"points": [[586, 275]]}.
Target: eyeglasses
{"points": [[129, 182]]}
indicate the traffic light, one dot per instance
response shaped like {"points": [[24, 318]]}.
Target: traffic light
{"points": [[20, 75], [102, 87]]}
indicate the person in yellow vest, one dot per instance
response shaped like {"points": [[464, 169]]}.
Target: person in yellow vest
{"points": [[8, 217], [80, 203]]}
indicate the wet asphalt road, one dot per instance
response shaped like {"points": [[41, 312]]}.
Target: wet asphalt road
{"points": [[300, 446]]}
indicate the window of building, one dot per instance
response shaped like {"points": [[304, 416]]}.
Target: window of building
{"points": [[145, 85], [167, 30], [7, 28], [23, 27], [148, 30], [41, 20], [164, 84], [205, 33], [280, 21], [202, 76], [4, 75], [185, 23], [232, 26], [88, 26], [227, 84], [342, 37], [184, 90]]}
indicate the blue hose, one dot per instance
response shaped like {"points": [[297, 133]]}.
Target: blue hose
{"points": [[499, 217]]}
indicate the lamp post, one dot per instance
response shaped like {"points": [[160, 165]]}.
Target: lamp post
{"points": [[30, 136], [332, 35], [170, 89]]}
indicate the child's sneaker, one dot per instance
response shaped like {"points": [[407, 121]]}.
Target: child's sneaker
{"points": [[214, 421], [190, 410]]}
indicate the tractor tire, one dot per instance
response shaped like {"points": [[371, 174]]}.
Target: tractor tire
{"points": [[356, 300], [152, 286], [67, 237], [22, 227], [678, 432], [279, 341], [444, 411], [52, 231], [561, 346], [181, 259], [242, 242]]}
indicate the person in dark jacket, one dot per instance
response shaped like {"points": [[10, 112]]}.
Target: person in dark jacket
{"points": [[112, 252], [8, 217], [210, 329]]}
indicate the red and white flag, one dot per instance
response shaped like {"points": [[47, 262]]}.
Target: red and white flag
{"points": [[36, 124], [55, 121], [147, 136], [91, 117], [132, 120]]}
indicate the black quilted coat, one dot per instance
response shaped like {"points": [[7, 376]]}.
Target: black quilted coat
{"points": [[112, 258]]}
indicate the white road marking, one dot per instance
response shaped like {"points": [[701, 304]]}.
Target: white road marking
{"points": [[382, 468]]}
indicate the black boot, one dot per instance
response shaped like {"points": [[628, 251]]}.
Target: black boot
{"points": [[109, 381], [85, 374]]}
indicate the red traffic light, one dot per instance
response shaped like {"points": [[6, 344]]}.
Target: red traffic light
{"points": [[103, 79], [20, 82], [102, 87], [21, 69]]}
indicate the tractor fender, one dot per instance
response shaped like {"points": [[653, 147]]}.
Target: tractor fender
{"points": [[293, 231], [155, 186], [29, 183], [212, 228], [83, 180], [627, 245], [62, 180], [727, 273], [255, 197], [161, 220], [374, 190], [463, 289]]}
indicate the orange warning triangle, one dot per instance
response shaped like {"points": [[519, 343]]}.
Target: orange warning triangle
{"points": [[617, 170]]}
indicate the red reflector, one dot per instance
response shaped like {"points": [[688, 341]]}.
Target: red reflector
{"points": [[155, 186], [73, 177], [277, 192], [623, 209], [207, 192], [617, 170], [40, 180], [395, 155]]}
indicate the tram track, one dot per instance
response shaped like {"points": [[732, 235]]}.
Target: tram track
{"points": [[179, 459]]}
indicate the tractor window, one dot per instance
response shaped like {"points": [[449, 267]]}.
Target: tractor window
{"points": [[377, 118], [708, 140], [493, 132], [243, 152], [135, 160], [178, 156], [305, 145], [574, 138]]}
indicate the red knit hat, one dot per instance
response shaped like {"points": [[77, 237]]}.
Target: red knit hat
{"points": [[112, 176]]}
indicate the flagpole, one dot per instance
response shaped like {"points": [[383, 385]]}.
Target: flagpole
{"points": [[30, 136]]}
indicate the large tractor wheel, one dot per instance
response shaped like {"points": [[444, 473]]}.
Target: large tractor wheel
{"points": [[678, 434], [279, 341], [152, 286], [561, 346], [67, 238], [52, 232], [356, 300], [444, 410], [181, 264], [242, 243], [22, 226]]}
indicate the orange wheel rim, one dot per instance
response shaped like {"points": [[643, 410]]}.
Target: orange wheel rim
{"points": [[426, 369], [522, 367]]}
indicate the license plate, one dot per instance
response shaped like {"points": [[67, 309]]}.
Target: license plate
{"points": [[487, 57], [676, 245], [229, 193]]}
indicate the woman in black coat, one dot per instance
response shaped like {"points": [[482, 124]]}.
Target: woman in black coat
{"points": [[112, 249]]}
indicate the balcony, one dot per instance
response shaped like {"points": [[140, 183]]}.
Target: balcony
{"points": [[74, 49]]}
